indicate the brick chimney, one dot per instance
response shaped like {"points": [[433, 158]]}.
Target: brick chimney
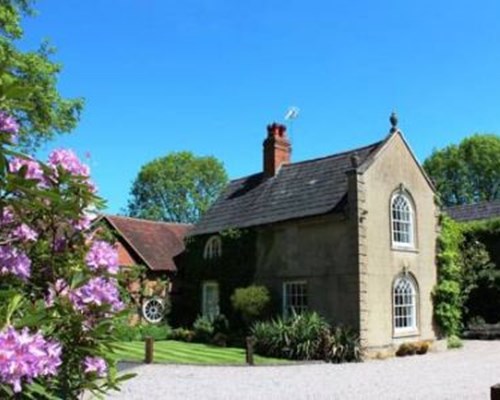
{"points": [[277, 149]]}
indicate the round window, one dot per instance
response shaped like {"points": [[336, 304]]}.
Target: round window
{"points": [[153, 310]]}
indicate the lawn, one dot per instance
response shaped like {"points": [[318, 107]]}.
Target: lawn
{"points": [[170, 351]]}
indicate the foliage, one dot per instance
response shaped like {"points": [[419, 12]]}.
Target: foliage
{"points": [[343, 345], [124, 332], [447, 294], [299, 337], [234, 268], [481, 277], [58, 283], [157, 332], [409, 349], [306, 336], [28, 82], [468, 172], [203, 329], [251, 301], [182, 335], [176, 188], [221, 324], [454, 342]]}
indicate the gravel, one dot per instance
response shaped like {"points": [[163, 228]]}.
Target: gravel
{"points": [[466, 373]]}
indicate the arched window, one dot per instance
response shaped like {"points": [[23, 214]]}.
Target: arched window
{"points": [[404, 300], [402, 217], [213, 248]]}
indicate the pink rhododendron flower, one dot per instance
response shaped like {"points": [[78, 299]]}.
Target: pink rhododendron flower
{"points": [[6, 217], [95, 365], [102, 256], [68, 160], [8, 125], [25, 233], [84, 223], [33, 168], [14, 261], [24, 356], [97, 292]]}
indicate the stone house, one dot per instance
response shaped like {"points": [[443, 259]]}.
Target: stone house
{"points": [[153, 245], [351, 235]]}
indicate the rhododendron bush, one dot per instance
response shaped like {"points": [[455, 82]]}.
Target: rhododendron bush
{"points": [[59, 291]]}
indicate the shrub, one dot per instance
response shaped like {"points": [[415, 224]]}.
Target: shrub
{"points": [[454, 342], [305, 336], [405, 349], [157, 332], [127, 333], [221, 324], [251, 301], [219, 339], [182, 335], [203, 329], [410, 349], [423, 348], [59, 292], [344, 346]]}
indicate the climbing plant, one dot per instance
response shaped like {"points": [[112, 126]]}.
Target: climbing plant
{"points": [[447, 294]]}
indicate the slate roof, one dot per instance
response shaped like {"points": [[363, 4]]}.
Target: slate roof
{"points": [[301, 189], [472, 212], [156, 243]]}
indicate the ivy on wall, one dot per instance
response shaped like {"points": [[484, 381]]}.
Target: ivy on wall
{"points": [[447, 293], [235, 268]]}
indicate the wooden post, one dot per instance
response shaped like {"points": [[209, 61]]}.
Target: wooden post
{"points": [[250, 342], [149, 350], [495, 392]]}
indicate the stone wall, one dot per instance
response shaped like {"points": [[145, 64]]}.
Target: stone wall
{"points": [[316, 250], [393, 167]]}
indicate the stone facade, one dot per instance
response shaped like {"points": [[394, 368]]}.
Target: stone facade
{"points": [[347, 258]]}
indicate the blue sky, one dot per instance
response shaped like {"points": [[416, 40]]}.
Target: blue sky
{"points": [[208, 75]]}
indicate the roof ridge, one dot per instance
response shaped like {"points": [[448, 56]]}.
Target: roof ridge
{"points": [[339, 154], [147, 220], [334, 155], [479, 203]]}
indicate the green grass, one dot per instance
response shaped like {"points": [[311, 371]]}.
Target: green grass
{"points": [[171, 351]]}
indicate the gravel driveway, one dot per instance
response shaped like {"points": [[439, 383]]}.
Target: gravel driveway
{"points": [[467, 373]]}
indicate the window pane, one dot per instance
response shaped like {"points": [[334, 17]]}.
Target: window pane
{"points": [[294, 297], [404, 304]]}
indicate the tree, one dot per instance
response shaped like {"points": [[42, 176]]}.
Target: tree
{"points": [[178, 187], [28, 82], [468, 172]]}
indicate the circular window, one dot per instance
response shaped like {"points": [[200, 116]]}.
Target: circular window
{"points": [[153, 310]]}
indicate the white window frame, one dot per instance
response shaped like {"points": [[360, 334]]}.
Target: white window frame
{"points": [[286, 300], [213, 248], [410, 222], [405, 305], [207, 309]]}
